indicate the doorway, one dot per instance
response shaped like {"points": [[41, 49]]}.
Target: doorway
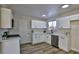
{"points": [[75, 35]]}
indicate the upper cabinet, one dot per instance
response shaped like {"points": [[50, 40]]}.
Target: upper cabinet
{"points": [[5, 18], [38, 24], [63, 22]]}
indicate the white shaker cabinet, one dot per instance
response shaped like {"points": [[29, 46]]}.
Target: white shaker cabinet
{"points": [[63, 22], [35, 38], [64, 42], [38, 24], [48, 39], [41, 37], [5, 18], [38, 38], [11, 46]]}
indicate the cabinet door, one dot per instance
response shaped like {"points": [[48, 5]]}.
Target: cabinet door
{"points": [[63, 43], [63, 22], [35, 38], [47, 38], [38, 38], [11, 46], [41, 37], [6, 18], [38, 24]]}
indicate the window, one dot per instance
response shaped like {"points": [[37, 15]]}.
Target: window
{"points": [[51, 25]]}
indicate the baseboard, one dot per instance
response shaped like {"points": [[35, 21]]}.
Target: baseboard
{"points": [[63, 50], [39, 43], [48, 43], [67, 50], [74, 49], [34, 44], [26, 43]]}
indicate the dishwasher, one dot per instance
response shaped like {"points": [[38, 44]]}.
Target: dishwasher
{"points": [[54, 41]]}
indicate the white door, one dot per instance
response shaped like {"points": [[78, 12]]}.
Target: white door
{"points": [[75, 35]]}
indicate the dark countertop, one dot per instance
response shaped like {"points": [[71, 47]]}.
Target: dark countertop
{"points": [[12, 35]]}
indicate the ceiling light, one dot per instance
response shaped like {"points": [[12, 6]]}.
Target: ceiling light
{"points": [[43, 15], [65, 6]]}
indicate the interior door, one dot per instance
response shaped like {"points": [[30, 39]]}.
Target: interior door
{"points": [[75, 35]]}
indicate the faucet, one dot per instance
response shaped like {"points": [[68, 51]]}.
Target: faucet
{"points": [[5, 34]]}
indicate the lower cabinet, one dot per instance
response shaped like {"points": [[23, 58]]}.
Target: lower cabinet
{"points": [[37, 38], [48, 39], [11, 46], [64, 42], [41, 37]]}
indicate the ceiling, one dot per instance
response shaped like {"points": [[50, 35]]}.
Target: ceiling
{"points": [[37, 10]]}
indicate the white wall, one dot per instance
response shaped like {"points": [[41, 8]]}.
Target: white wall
{"points": [[15, 29], [64, 40], [22, 26], [25, 29]]}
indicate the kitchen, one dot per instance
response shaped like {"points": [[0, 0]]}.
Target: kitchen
{"points": [[21, 28]]}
